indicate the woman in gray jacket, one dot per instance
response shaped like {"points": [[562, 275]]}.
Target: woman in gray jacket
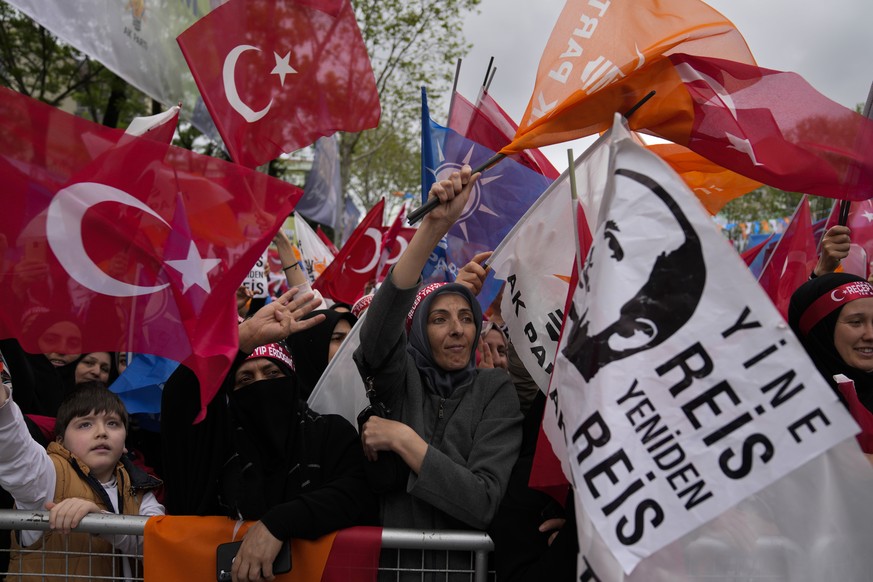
{"points": [[455, 427]]}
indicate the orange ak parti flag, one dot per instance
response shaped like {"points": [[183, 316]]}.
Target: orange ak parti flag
{"points": [[599, 60], [710, 96], [181, 548], [713, 185]]}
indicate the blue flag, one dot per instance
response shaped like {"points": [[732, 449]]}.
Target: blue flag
{"points": [[500, 198], [141, 384], [351, 216], [322, 194]]}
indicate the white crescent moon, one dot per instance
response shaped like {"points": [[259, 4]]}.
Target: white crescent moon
{"points": [[374, 234], [230, 91], [403, 244], [64, 233]]}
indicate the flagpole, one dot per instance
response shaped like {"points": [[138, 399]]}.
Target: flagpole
{"points": [[488, 72], [575, 209], [491, 78], [846, 204], [454, 90]]}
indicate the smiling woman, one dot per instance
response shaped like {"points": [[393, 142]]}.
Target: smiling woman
{"points": [[456, 428], [832, 315]]}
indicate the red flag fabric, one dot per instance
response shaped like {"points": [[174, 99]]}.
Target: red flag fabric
{"points": [[792, 260], [395, 249], [775, 128], [326, 240], [489, 125], [390, 249], [278, 74], [346, 278], [133, 245], [173, 540], [860, 223], [749, 255]]}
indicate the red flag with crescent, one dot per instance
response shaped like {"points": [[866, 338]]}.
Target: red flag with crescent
{"points": [[346, 278], [791, 261], [132, 245], [278, 74]]}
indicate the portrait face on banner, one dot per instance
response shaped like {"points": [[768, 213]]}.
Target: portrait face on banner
{"points": [[662, 278]]}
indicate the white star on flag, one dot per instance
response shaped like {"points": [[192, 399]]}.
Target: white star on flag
{"points": [[868, 215], [194, 269], [283, 67]]}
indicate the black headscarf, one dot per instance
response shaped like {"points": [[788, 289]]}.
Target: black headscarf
{"points": [[309, 348], [442, 381], [819, 342]]}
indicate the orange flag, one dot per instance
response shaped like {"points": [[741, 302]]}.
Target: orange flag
{"points": [[713, 185], [182, 549], [602, 57]]}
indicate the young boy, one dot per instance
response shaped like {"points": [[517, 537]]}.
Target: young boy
{"points": [[82, 472]]}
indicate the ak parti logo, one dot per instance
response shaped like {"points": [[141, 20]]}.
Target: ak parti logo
{"points": [[137, 9]]}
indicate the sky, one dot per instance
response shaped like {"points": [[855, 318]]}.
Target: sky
{"points": [[830, 44]]}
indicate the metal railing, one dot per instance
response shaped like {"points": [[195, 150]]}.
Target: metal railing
{"points": [[420, 555]]}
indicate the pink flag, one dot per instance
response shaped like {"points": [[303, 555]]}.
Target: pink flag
{"points": [[489, 125]]}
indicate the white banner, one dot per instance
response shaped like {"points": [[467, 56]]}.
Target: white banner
{"points": [[536, 259], [313, 252], [135, 39], [679, 388], [257, 280], [341, 390]]}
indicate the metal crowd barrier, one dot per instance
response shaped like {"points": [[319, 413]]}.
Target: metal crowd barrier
{"points": [[413, 554]]}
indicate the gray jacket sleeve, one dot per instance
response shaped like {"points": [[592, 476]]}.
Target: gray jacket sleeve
{"points": [[472, 492], [382, 353]]}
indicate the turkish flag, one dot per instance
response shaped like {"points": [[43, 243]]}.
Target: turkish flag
{"points": [[278, 74], [391, 248], [131, 245], [749, 255], [792, 260], [775, 128], [346, 278], [598, 59], [326, 240]]}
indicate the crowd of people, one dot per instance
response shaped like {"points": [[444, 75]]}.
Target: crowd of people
{"points": [[447, 441]]}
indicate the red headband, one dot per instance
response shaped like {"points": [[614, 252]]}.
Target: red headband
{"points": [[275, 352], [422, 294], [829, 302]]}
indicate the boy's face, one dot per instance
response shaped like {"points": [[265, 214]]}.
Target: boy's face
{"points": [[97, 440]]}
